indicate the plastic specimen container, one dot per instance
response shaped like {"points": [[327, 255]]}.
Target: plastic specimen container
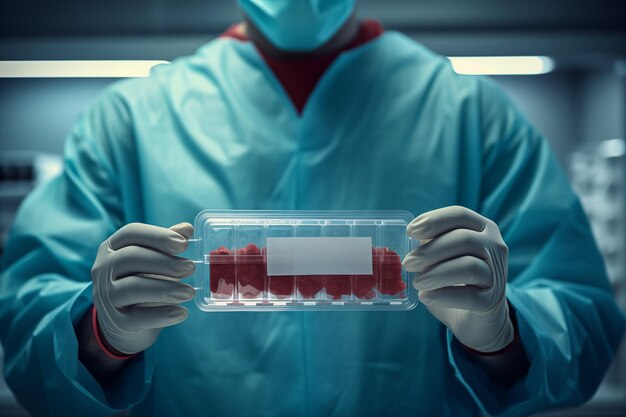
{"points": [[263, 260]]}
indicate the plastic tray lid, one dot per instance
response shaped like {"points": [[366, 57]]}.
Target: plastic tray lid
{"points": [[300, 260]]}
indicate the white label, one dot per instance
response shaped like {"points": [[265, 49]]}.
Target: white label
{"points": [[319, 256]]}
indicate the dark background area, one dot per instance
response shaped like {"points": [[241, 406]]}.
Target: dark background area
{"points": [[452, 26], [175, 17]]}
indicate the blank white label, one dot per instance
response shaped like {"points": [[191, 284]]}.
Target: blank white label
{"points": [[319, 256]]}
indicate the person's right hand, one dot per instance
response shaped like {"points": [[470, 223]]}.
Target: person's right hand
{"points": [[136, 284]]}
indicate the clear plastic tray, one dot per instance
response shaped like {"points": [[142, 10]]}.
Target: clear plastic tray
{"points": [[302, 260]]}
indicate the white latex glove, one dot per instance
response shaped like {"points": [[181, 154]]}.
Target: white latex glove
{"points": [[136, 284], [461, 275]]}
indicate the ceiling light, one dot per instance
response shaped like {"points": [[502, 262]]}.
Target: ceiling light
{"points": [[76, 69], [502, 65]]}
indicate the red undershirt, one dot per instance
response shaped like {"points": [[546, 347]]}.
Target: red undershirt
{"points": [[299, 76]]}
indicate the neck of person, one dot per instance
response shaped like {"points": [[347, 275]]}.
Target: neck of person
{"points": [[338, 42]]}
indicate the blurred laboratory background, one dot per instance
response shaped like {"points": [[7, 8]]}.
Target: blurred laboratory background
{"points": [[575, 94]]}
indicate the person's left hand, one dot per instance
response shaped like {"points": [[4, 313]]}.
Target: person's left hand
{"points": [[461, 275]]}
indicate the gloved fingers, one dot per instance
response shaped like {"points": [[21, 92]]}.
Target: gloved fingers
{"points": [[133, 260], [138, 290], [465, 270], [461, 297], [148, 236], [184, 229], [142, 318], [437, 222], [453, 244]]}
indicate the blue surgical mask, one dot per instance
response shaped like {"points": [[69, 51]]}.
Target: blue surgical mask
{"points": [[298, 25]]}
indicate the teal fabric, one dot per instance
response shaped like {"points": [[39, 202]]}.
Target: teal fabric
{"points": [[389, 126]]}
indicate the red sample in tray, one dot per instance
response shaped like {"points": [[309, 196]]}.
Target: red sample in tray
{"points": [[281, 285], [250, 271], [389, 271], [310, 285], [338, 285], [364, 286], [250, 265], [222, 272]]}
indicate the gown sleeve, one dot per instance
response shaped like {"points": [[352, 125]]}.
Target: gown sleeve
{"points": [[568, 319], [45, 284]]}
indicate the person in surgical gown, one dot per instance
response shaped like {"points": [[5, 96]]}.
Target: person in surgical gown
{"points": [[388, 125]]}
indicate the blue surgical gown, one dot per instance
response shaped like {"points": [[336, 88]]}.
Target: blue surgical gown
{"points": [[388, 126]]}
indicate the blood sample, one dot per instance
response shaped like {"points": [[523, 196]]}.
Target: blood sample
{"points": [[222, 272], [250, 272]]}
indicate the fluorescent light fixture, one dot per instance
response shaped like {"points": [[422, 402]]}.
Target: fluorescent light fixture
{"points": [[613, 148], [484, 65], [76, 69], [502, 65]]}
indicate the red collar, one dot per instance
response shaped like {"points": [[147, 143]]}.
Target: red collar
{"points": [[300, 76]]}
